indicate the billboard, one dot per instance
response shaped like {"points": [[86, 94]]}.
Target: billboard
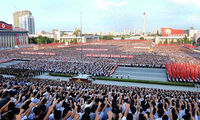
{"points": [[5, 26], [172, 32]]}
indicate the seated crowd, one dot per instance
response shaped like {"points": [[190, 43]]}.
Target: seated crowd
{"points": [[40, 99]]}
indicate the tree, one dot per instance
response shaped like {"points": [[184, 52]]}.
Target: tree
{"points": [[122, 38], [186, 40], [165, 41], [198, 42], [141, 38], [57, 41], [32, 40], [158, 34], [108, 37], [50, 40], [75, 40], [172, 41], [40, 40], [77, 32], [179, 41]]}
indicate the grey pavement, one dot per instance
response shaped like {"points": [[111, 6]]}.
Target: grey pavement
{"points": [[154, 74], [166, 87], [9, 63]]}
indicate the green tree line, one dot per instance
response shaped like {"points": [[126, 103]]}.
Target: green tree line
{"points": [[185, 40], [40, 40]]}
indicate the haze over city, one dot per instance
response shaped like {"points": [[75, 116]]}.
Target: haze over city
{"points": [[106, 15]]}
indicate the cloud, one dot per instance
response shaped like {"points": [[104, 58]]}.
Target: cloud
{"points": [[186, 2], [105, 4]]}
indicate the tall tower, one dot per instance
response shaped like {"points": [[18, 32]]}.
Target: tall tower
{"points": [[24, 19], [144, 23]]}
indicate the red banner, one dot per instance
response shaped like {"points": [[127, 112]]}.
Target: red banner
{"points": [[109, 56], [17, 38]]}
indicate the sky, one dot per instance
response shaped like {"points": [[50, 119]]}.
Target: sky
{"points": [[106, 15]]}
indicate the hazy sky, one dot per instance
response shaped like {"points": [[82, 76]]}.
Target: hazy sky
{"points": [[106, 15]]}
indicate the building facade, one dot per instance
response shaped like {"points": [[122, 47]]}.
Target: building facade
{"points": [[10, 38], [170, 35], [83, 39], [24, 19]]}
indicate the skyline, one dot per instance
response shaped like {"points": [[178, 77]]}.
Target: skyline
{"points": [[106, 15]]}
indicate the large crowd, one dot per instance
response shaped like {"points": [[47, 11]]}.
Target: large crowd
{"points": [[141, 56], [28, 98], [36, 99], [143, 51], [98, 68], [20, 72], [68, 59]]}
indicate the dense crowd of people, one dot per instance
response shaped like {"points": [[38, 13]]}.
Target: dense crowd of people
{"points": [[39, 99], [178, 53], [20, 72], [69, 59], [98, 68], [142, 51]]}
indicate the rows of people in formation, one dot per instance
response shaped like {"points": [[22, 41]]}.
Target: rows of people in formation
{"points": [[146, 54], [99, 68]]}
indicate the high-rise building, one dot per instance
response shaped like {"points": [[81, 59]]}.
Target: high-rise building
{"points": [[24, 19], [144, 23]]}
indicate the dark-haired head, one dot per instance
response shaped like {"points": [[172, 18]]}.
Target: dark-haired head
{"points": [[86, 116], [11, 106], [165, 117], [57, 114]]}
